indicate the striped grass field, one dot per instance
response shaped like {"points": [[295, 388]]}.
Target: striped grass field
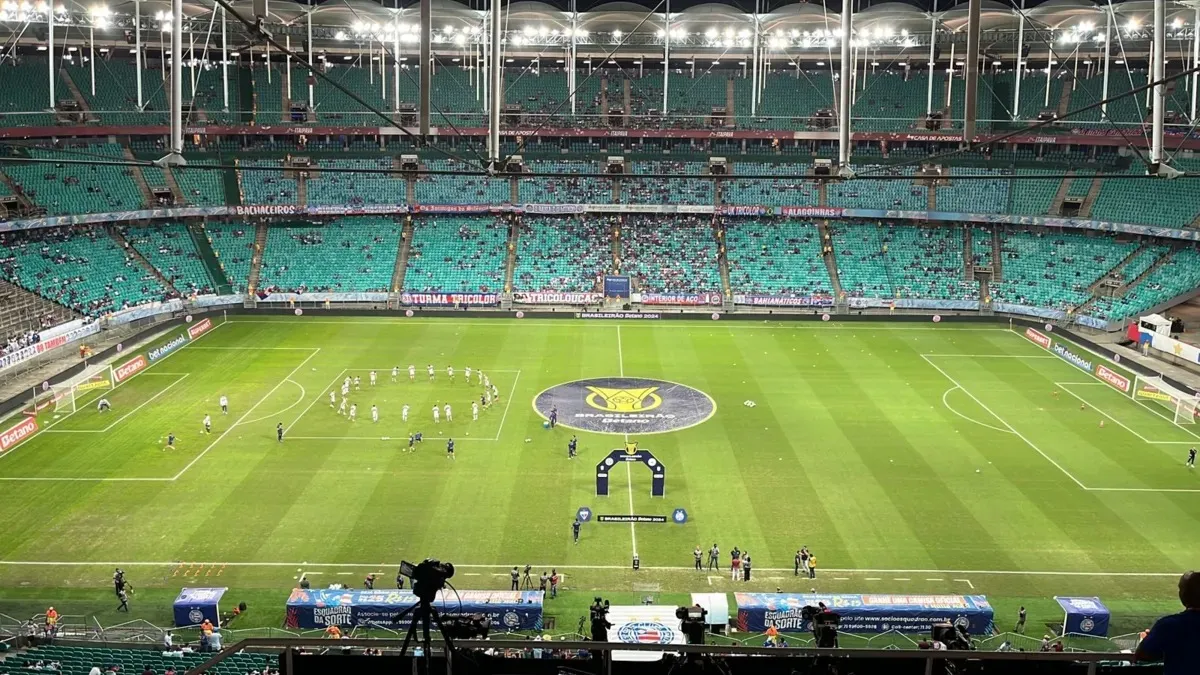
{"points": [[910, 458]]}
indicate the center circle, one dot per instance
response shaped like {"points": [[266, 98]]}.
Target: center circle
{"points": [[625, 405]]}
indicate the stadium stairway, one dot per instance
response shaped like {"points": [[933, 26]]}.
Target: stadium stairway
{"points": [[26, 203], [301, 189], [618, 224], [176, 191], [828, 255], [406, 235], [1116, 269], [139, 178], [1162, 260], [1085, 211], [132, 252], [968, 258], [997, 258], [1061, 194], [65, 79], [21, 310], [723, 259], [514, 236], [260, 244], [209, 257]]}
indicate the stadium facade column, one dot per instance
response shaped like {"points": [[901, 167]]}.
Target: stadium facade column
{"points": [[1156, 75], [137, 48], [308, 16], [176, 80], [494, 97], [287, 42], [92, 55], [426, 62], [754, 65], [224, 62], [932, 65], [844, 91], [972, 64], [1020, 60], [666, 55], [396, 59], [50, 46], [571, 52], [1108, 26], [1195, 58]]}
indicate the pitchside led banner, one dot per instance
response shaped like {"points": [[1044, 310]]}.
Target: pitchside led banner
{"points": [[505, 610], [876, 613]]}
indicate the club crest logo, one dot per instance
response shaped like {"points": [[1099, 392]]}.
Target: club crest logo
{"points": [[625, 405], [623, 400]]}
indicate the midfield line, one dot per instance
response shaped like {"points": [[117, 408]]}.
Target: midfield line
{"points": [[628, 471]]}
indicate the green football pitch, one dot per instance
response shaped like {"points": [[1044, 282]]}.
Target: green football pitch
{"points": [[911, 458]]}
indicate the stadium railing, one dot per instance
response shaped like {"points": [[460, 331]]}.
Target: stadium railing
{"points": [[467, 655]]}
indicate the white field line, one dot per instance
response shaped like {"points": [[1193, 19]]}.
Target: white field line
{"points": [[388, 370], [969, 419], [808, 325], [628, 471], [827, 570], [258, 349], [1122, 489], [1093, 406], [511, 393], [122, 418], [145, 370], [382, 437], [313, 402], [298, 401], [246, 414], [1005, 423], [996, 356], [965, 581]]}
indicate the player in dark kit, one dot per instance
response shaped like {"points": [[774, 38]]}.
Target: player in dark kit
{"points": [[553, 417], [575, 529], [450, 448], [1191, 458], [170, 441], [279, 432], [572, 445]]}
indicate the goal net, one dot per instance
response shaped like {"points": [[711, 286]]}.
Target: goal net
{"points": [[68, 395], [1181, 404]]}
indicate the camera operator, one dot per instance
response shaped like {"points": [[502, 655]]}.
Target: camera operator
{"points": [[824, 622], [516, 578], [598, 613]]}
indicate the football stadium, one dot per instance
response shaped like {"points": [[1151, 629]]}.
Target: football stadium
{"points": [[561, 336]]}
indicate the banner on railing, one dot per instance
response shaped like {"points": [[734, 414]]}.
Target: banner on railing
{"points": [[684, 299], [810, 212], [48, 343], [505, 610], [143, 311], [783, 300], [325, 297], [556, 298], [449, 298], [878, 613]]}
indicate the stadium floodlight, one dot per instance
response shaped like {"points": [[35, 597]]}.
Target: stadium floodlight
{"points": [[1183, 405]]}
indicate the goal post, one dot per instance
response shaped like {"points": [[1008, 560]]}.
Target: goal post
{"points": [[67, 396], [1181, 404]]}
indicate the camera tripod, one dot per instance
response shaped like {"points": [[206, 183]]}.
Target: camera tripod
{"points": [[423, 612], [527, 581]]}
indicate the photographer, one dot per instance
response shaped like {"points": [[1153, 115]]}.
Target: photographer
{"points": [[598, 613], [516, 578]]}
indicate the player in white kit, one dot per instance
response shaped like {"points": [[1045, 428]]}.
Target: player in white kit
{"points": [[332, 399], [357, 381], [353, 412], [342, 407], [449, 413], [345, 389], [474, 411], [224, 405], [373, 376], [395, 373], [430, 369], [404, 413], [450, 373], [374, 413], [467, 370], [412, 373], [437, 414]]}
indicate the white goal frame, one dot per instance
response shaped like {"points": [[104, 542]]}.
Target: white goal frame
{"points": [[66, 396], [1154, 390]]}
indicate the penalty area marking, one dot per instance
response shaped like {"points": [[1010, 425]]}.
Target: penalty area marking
{"points": [[966, 417], [682, 568], [122, 418], [298, 401], [1064, 386]]}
